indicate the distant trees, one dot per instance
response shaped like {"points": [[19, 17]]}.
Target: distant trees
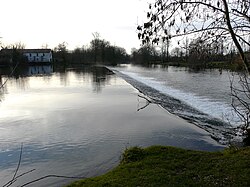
{"points": [[210, 23], [99, 51], [11, 53], [207, 19], [60, 52], [17, 45], [193, 53], [96, 46], [105, 53], [198, 52], [164, 50], [145, 55]]}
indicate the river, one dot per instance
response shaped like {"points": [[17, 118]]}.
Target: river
{"points": [[202, 97], [77, 122]]}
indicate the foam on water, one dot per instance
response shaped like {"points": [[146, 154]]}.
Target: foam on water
{"points": [[215, 109], [214, 116]]}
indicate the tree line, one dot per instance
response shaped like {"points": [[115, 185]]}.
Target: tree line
{"points": [[208, 22], [196, 53], [99, 51]]}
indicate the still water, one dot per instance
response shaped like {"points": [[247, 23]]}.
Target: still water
{"points": [[77, 122]]}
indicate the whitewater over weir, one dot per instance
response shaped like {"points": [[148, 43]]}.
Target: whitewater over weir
{"points": [[202, 98]]}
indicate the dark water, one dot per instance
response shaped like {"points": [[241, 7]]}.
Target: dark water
{"points": [[201, 97], [78, 122]]}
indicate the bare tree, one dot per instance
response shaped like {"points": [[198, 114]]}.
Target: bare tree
{"points": [[45, 46], [240, 91], [210, 21], [17, 45], [165, 50], [95, 44], [60, 52], [176, 52], [62, 47]]}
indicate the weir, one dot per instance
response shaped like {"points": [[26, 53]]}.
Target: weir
{"points": [[216, 117]]}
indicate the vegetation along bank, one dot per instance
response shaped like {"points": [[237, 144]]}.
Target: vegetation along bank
{"points": [[170, 166]]}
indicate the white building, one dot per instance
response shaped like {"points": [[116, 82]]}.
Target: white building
{"points": [[38, 55]]}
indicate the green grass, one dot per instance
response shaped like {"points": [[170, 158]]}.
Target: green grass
{"points": [[169, 166]]}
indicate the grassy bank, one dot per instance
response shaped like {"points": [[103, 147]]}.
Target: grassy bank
{"points": [[169, 166]]}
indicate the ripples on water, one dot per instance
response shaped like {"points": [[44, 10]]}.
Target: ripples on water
{"points": [[201, 97], [77, 122]]}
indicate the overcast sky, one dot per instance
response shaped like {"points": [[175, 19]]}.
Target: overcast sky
{"points": [[39, 22]]}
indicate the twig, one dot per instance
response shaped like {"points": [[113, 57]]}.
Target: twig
{"points": [[148, 102], [15, 176], [1, 86], [25, 173], [145, 98], [50, 176], [19, 162], [14, 180], [240, 99], [17, 168]]}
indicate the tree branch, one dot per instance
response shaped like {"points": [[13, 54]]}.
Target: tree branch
{"points": [[148, 102], [197, 31], [205, 4], [242, 14], [50, 176], [245, 62]]}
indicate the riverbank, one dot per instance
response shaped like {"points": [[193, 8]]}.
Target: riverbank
{"points": [[170, 166], [78, 123]]}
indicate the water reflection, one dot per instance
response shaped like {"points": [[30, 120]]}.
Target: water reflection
{"points": [[98, 76], [39, 70], [69, 129], [3, 89]]}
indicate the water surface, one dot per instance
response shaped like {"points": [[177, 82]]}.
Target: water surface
{"points": [[78, 122], [201, 97]]}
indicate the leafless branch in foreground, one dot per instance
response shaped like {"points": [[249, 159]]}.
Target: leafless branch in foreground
{"points": [[240, 92], [50, 176], [147, 102], [16, 177]]}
